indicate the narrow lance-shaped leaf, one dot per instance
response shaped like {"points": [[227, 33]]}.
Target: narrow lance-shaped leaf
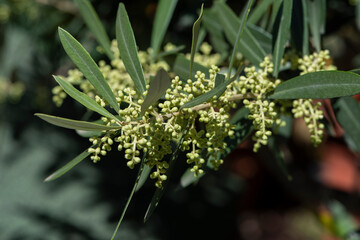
{"points": [[259, 11], [61, 171], [83, 98], [93, 22], [141, 168], [215, 30], [158, 87], [163, 16], [143, 177], [264, 38], [189, 178], [315, 21], [195, 35], [281, 34], [347, 111], [128, 51], [274, 13], [238, 37], [74, 124], [88, 67], [323, 84], [249, 46], [299, 26]]}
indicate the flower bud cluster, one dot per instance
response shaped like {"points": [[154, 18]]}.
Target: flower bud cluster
{"points": [[314, 62], [258, 82], [205, 57], [309, 110]]}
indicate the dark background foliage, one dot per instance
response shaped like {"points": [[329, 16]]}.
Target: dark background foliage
{"points": [[249, 198]]}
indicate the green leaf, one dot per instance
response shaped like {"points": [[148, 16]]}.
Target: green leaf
{"points": [[160, 191], [128, 51], [195, 34], [74, 124], [274, 13], [323, 84], [281, 34], [93, 22], [215, 30], [182, 65], [83, 98], [163, 16], [61, 171], [217, 91], [144, 176], [264, 38], [299, 26], [238, 36], [219, 79], [141, 168], [315, 13], [158, 87], [87, 66], [189, 178], [249, 46], [259, 11], [171, 52], [347, 111]]}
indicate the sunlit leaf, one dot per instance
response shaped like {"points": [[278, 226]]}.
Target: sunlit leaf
{"points": [[83, 98], [323, 84], [281, 33], [347, 111], [274, 13], [264, 38], [195, 35], [163, 16], [238, 37], [315, 15], [215, 30], [219, 79], [189, 178], [249, 46], [93, 22], [258, 12], [128, 51], [158, 87], [143, 177], [74, 124], [58, 173], [87, 66]]}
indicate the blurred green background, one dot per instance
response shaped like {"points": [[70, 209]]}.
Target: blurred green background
{"points": [[249, 198]]}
